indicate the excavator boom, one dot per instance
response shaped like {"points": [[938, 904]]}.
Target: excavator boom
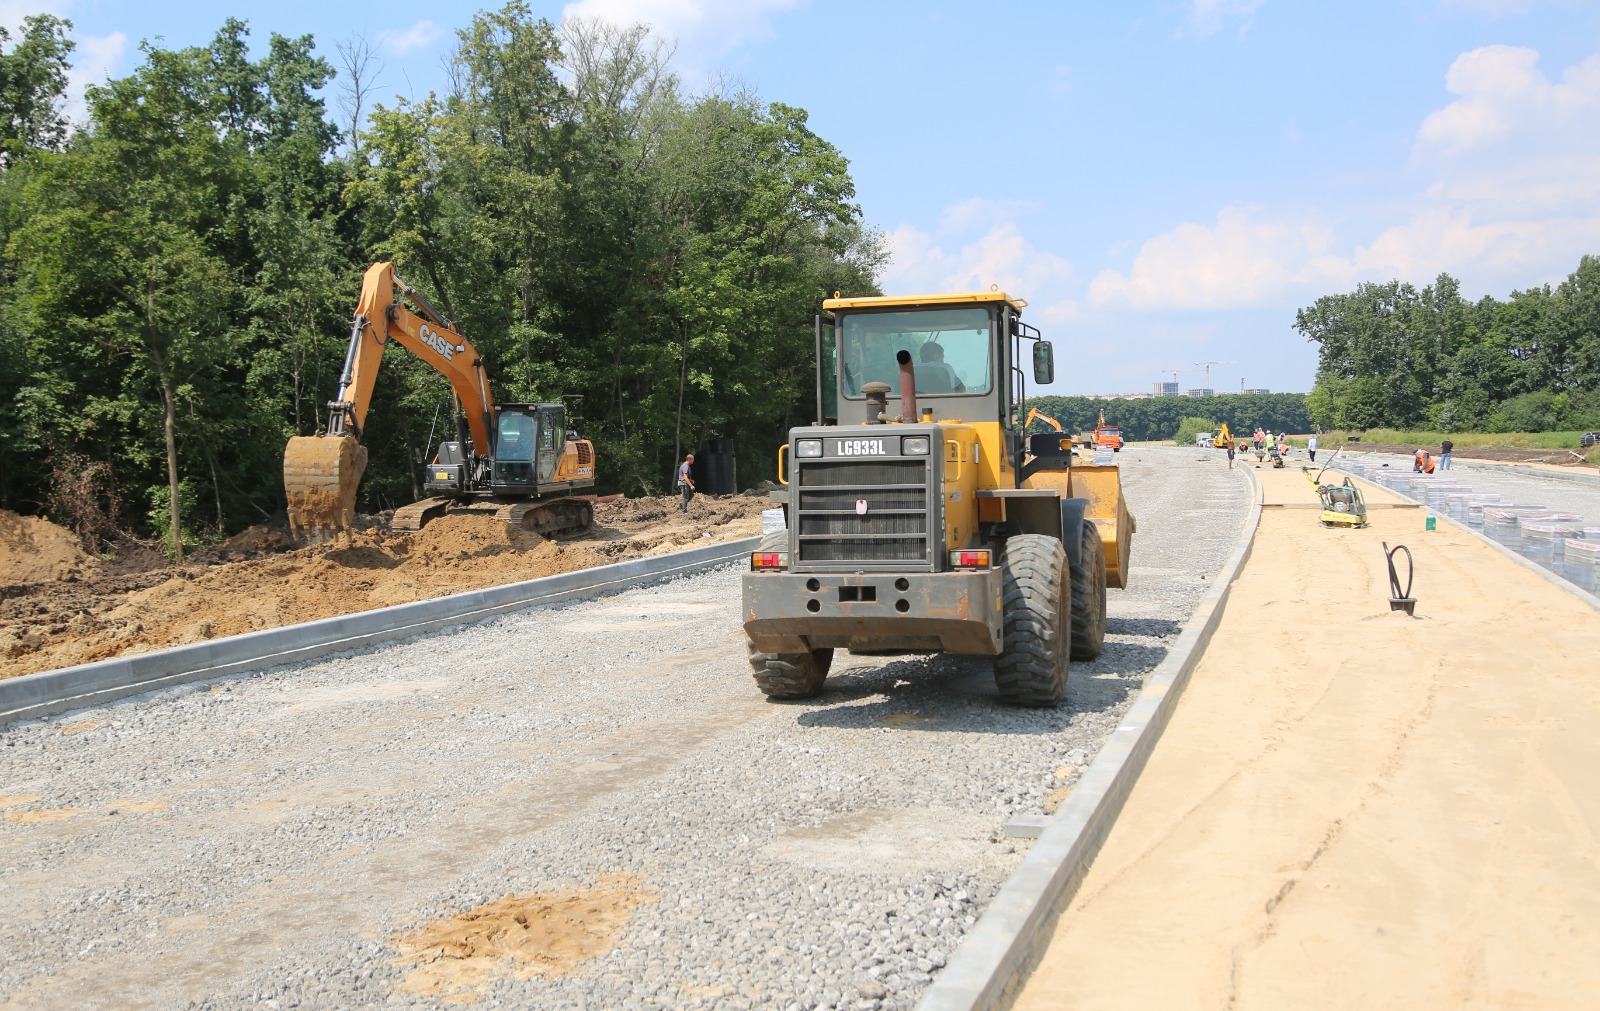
{"points": [[1034, 412], [322, 472]]}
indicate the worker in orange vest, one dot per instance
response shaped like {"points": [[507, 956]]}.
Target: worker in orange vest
{"points": [[1422, 463]]}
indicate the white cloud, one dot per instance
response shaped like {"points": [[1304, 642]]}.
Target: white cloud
{"points": [[1208, 16], [1510, 197], [978, 243], [94, 60], [1000, 256], [1503, 91], [976, 213], [1247, 256], [419, 36], [705, 30]]}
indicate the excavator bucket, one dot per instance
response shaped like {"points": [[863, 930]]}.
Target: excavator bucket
{"points": [[320, 475]]}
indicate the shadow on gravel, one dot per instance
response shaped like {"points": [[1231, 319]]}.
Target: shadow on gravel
{"points": [[893, 713], [1130, 660], [1153, 627], [948, 693]]}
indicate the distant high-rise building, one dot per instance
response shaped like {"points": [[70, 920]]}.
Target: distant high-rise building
{"points": [[1200, 392], [1259, 393], [1165, 389]]}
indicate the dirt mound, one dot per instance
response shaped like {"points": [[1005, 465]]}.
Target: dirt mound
{"points": [[255, 541], [272, 584], [547, 934], [34, 550], [471, 536]]}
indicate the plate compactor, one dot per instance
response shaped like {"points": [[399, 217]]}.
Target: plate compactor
{"points": [[1342, 504]]}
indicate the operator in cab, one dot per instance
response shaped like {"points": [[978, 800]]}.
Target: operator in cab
{"points": [[934, 374]]}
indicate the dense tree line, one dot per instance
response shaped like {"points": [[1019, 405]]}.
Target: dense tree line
{"points": [[178, 274], [1159, 418], [1394, 357]]}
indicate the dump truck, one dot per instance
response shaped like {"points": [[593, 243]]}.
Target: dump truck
{"points": [[919, 517], [1107, 436], [519, 462]]}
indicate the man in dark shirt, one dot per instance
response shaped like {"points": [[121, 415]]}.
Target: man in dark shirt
{"points": [[1444, 454], [686, 482]]}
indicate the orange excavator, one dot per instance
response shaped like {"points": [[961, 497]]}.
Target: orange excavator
{"points": [[519, 462]]}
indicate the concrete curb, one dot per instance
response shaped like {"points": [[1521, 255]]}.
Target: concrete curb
{"points": [[993, 960], [35, 695], [1527, 563]]}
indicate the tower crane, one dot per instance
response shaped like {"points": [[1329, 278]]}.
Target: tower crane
{"points": [[1207, 367]]}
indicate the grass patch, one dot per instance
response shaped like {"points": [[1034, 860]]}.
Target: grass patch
{"points": [[1463, 440]]}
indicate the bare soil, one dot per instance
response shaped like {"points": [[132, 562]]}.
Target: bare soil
{"points": [[34, 550], [455, 960], [59, 606]]}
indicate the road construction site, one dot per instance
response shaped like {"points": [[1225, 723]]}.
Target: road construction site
{"points": [[590, 806], [607, 768]]}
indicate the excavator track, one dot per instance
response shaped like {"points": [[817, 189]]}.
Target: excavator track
{"points": [[548, 517], [416, 515], [551, 516]]}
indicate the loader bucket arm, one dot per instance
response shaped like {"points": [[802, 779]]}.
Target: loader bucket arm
{"points": [[321, 473]]}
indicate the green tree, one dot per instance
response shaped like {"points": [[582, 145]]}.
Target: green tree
{"points": [[33, 81]]}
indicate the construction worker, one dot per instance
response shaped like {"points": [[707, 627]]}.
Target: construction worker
{"points": [[1311, 448], [1422, 463], [686, 482]]}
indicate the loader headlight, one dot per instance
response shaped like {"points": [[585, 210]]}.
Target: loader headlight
{"points": [[808, 448], [914, 445]]}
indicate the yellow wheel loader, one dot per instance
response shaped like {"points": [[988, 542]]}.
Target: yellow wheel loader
{"points": [[919, 518], [520, 462]]}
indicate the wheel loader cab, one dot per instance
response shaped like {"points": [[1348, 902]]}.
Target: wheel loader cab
{"points": [[952, 354]]}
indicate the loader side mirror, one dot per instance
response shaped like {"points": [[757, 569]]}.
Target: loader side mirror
{"points": [[1044, 363]]}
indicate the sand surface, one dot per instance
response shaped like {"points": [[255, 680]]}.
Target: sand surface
{"points": [[1356, 809]]}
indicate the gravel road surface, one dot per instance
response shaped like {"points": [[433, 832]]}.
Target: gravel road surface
{"points": [[606, 771]]}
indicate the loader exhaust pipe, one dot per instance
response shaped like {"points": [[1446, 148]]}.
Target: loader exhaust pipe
{"points": [[908, 389]]}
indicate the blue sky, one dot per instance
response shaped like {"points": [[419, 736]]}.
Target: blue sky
{"points": [[1166, 182]]}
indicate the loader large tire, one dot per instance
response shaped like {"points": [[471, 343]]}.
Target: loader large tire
{"points": [[788, 675], [1089, 596], [1031, 669], [791, 675]]}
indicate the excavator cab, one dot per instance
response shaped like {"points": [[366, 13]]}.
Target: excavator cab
{"points": [[529, 440]]}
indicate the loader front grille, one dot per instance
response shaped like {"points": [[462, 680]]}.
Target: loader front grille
{"points": [[850, 511]]}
